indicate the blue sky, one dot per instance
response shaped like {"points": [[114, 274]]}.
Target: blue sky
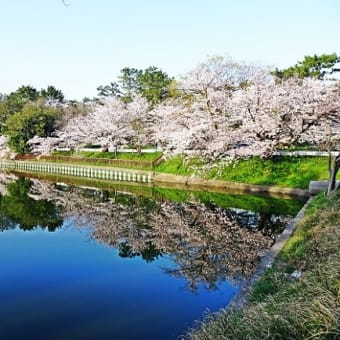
{"points": [[81, 46]]}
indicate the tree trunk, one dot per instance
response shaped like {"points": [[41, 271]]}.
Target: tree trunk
{"points": [[116, 151], [334, 171]]}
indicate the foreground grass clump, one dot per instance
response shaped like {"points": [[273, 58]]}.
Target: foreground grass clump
{"points": [[283, 307]]}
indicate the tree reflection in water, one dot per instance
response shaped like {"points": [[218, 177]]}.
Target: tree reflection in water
{"points": [[18, 208], [207, 246], [206, 243]]}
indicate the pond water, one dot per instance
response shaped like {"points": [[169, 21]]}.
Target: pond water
{"points": [[81, 262]]}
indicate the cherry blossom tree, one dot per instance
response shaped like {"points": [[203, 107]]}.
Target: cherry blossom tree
{"points": [[211, 83], [291, 112], [109, 123], [253, 117], [5, 151], [138, 121], [178, 129], [294, 111], [199, 119]]}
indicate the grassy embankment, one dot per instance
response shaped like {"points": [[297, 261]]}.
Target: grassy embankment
{"points": [[290, 172], [141, 161], [110, 155], [281, 307]]}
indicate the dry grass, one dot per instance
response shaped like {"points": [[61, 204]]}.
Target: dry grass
{"points": [[284, 308]]}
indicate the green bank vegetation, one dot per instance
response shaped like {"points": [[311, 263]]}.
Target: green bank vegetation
{"points": [[281, 306], [290, 172], [284, 171], [150, 156]]}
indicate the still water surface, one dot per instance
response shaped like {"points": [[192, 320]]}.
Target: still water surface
{"points": [[83, 263]]}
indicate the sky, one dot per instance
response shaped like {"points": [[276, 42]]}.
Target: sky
{"points": [[85, 44]]}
